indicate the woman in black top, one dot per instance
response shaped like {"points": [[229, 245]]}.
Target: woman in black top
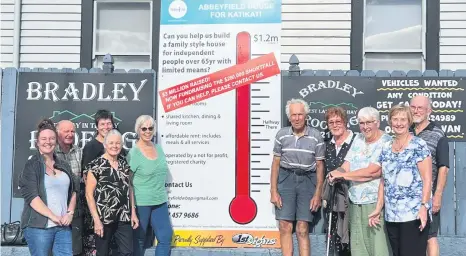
{"points": [[104, 123], [92, 150], [110, 198], [335, 152]]}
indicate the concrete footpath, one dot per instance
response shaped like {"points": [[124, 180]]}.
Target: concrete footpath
{"points": [[449, 246]]}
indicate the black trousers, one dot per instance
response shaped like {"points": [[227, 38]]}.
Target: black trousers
{"points": [[123, 234], [77, 234], [406, 239]]}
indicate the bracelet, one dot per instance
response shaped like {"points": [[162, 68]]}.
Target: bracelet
{"points": [[70, 212]]}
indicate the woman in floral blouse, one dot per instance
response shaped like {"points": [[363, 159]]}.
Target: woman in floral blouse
{"points": [[406, 186], [104, 123], [110, 198]]}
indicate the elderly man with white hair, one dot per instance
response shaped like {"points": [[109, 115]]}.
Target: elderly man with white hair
{"points": [[297, 177], [67, 151], [437, 142], [363, 174]]}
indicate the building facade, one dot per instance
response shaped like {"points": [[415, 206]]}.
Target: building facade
{"points": [[324, 34]]}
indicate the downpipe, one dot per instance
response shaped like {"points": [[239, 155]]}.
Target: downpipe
{"points": [[17, 33]]}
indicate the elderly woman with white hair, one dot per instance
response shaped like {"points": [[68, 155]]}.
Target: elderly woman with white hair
{"points": [[150, 169], [363, 174], [110, 198]]}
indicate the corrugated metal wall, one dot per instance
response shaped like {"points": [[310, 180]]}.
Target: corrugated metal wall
{"points": [[7, 8], [453, 34], [318, 31], [50, 33]]}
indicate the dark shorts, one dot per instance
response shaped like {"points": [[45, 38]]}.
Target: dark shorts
{"points": [[296, 189], [435, 224]]}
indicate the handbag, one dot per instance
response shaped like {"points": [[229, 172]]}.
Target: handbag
{"points": [[12, 234]]}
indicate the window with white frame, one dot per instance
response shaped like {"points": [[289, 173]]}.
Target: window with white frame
{"points": [[123, 29], [394, 35]]}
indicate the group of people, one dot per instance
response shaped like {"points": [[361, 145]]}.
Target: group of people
{"points": [[99, 200], [390, 186], [83, 202]]}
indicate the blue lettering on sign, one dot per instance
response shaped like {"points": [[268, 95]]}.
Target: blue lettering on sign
{"points": [[176, 12]]}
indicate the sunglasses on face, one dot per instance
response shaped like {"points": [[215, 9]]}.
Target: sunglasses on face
{"points": [[147, 128]]}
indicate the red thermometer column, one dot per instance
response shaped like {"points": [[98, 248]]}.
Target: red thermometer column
{"points": [[243, 209]]}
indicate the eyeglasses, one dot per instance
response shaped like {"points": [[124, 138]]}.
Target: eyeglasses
{"points": [[366, 123], [418, 109], [147, 128], [337, 123]]}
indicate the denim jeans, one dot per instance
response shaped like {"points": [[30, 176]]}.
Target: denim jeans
{"points": [[43, 240], [296, 188], [159, 219]]}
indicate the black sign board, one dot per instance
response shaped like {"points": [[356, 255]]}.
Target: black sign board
{"points": [[350, 93], [447, 96], [76, 97], [353, 93]]}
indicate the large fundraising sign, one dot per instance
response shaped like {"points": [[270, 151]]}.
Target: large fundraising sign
{"points": [[77, 97], [219, 111], [353, 93]]}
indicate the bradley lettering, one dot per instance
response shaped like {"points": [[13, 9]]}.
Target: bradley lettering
{"points": [[83, 137], [330, 84], [88, 92]]}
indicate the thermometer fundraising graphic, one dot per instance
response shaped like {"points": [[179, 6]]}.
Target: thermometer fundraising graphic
{"points": [[243, 208]]}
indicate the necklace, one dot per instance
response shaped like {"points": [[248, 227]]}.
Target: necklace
{"points": [[367, 148], [398, 149], [51, 169]]}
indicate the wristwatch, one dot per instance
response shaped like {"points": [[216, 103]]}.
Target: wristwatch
{"points": [[426, 205]]}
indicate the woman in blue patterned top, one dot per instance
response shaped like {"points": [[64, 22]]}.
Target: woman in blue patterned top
{"points": [[406, 186]]}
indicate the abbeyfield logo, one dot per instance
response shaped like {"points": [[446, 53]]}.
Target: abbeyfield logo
{"points": [[248, 239], [68, 115], [177, 9]]}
